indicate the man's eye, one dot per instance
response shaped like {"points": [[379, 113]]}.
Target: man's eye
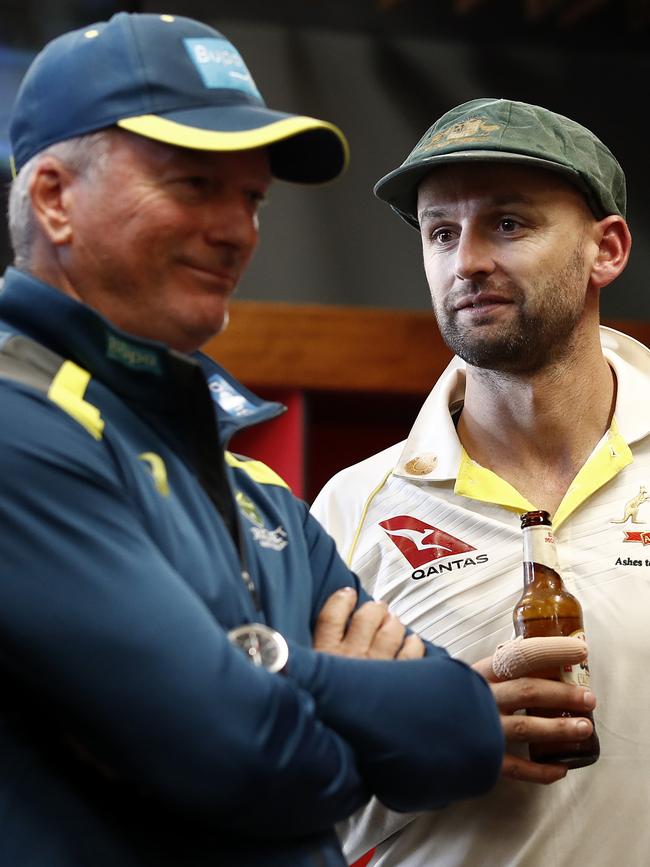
{"points": [[508, 224], [256, 198], [191, 184], [442, 236], [196, 182]]}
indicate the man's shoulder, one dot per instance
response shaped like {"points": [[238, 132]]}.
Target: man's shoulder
{"points": [[623, 346], [351, 486], [630, 361], [26, 362]]}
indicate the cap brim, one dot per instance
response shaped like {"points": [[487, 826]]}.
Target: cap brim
{"points": [[302, 149], [399, 188]]}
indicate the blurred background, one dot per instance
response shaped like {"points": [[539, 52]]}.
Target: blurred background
{"points": [[383, 70], [333, 315]]}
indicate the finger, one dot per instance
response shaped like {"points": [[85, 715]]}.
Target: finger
{"points": [[523, 656], [529, 692], [363, 627], [526, 728], [517, 768], [484, 668], [333, 620], [388, 639], [413, 648]]}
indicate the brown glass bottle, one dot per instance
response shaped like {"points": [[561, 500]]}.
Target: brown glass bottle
{"points": [[547, 608]]}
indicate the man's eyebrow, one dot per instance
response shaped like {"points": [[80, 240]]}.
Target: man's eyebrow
{"points": [[432, 214], [498, 201]]}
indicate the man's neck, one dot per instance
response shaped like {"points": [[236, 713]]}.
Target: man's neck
{"points": [[537, 430]]}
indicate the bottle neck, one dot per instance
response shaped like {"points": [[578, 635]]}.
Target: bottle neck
{"points": [[539, 547]]}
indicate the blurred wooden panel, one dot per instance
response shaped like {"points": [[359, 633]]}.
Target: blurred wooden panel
{"points": [[344, 349], [331, 348]]}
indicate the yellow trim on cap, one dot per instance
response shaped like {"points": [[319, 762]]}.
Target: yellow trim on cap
{"points": [[67, 391], [170, 132], [258, 471]]}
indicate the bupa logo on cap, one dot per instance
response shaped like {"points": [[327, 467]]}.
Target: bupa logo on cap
{"points": [[220, 65], [470, 131]]}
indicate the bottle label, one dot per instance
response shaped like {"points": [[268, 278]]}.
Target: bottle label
{"points": [[539, 547], [576, 674]]}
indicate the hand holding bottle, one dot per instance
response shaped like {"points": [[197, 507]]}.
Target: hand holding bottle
{"points": [[513, 675]]}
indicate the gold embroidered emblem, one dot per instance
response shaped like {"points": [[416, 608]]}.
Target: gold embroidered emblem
{"points": [[631, 511], [421, 465], [469, 131]]}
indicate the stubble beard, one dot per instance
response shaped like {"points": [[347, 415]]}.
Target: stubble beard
{"points": [[532, 339]]}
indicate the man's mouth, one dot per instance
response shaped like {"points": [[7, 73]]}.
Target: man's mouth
{"points": [[481, 301], [223, 276]]}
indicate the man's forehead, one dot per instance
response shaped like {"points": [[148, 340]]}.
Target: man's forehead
{"points": [[495, 184], [163, 154]]}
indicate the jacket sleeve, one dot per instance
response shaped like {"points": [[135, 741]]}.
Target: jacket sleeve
{"points": [[127, 660], [105, 645]]}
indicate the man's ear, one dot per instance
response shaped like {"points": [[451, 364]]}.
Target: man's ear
{"points": [[614, 244], [48, 189]]}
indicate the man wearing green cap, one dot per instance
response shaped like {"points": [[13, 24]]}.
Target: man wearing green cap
{"points": [[521, 213], [162, 704]]}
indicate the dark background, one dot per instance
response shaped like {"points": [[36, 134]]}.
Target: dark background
{"points": [[383, 70]]}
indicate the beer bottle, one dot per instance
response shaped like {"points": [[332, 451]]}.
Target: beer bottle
{"points": [[547, 608]]}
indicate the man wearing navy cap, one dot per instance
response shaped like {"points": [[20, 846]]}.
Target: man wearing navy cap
{"points": [[161, 599]]}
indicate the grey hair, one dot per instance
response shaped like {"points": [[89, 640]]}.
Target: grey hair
{"points": [[81, 154]]}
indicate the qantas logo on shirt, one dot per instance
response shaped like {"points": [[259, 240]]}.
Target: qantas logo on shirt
{"points": [[421, 543]]}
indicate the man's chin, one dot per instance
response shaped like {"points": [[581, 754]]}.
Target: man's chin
{"points": [[210, 325], [497, 353], [502, 358], [193, 339]]}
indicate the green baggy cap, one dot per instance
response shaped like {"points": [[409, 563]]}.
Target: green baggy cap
{"points": [[500, 130]]}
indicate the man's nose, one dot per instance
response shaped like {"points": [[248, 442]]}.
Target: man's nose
{"points": [[474, 255], [232, 221]]}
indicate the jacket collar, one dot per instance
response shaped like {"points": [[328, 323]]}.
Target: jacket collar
{"points": [[144, 372]]}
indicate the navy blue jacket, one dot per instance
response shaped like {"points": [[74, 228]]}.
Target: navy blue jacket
{"points": [[131, 731]]}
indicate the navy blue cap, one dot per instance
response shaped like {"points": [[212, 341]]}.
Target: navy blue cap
{"points": [[167, 78]]}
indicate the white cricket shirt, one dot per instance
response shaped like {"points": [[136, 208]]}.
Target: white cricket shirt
{"points": [[438, 537]]}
